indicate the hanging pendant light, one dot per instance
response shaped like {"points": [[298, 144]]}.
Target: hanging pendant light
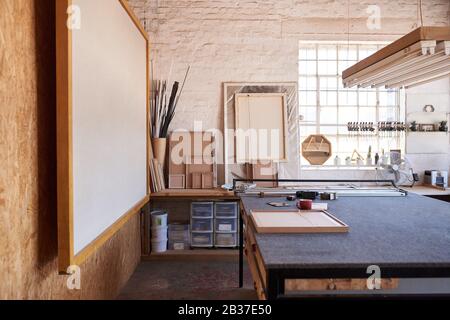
{"points": [[421, 55]]}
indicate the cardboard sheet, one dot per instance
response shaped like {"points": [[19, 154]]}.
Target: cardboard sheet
{"points": [[297, 221]]}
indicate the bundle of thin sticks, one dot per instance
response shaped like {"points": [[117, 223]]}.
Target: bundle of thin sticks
{"points": [[162, 106]]}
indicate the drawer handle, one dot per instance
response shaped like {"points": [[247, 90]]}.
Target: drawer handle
{"points": [[254, 247]]}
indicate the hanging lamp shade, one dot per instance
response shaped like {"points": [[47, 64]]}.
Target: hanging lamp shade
{"points": [[416, 58]]}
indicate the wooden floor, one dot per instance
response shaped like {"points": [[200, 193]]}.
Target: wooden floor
{"points": [[208, 279]]}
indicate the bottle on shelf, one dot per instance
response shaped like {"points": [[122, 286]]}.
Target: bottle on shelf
{"points": [[337, 161], [369, 157], [377, 158]]}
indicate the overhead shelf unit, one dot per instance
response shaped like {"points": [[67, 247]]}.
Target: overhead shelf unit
{"points": [[417, 58]]}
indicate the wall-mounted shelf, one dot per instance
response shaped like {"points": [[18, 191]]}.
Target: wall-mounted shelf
{"points": [[426, 118], [343, 167], [414, 132]]}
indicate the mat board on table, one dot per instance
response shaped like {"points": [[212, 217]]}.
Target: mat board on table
{"points": [[297, 221]]}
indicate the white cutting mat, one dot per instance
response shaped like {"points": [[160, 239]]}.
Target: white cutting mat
{"points": [[297, 222]]}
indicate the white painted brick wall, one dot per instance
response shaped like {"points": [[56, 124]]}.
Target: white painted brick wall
{"points": [[257, 40]]}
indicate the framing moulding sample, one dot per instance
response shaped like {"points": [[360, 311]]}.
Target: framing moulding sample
{"points": [[177, 181]]}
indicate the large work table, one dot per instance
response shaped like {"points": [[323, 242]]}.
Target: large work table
{"points": [[407, 237]]}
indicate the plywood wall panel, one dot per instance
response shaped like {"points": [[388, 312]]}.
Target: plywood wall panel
{"points": [[28, 250]]}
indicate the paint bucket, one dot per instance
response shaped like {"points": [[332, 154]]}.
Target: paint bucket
{"points": [[159, 233], [159, 245], [159, 218]]}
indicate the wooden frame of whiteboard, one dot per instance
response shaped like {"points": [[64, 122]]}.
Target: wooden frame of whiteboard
{"points": [[284, 130], [66, 256]]}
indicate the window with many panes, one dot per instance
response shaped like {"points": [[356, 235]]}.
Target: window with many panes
{"points": [[326, 107]]}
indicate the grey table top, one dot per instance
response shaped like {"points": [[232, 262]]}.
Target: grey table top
{"points": [[412, 231]]}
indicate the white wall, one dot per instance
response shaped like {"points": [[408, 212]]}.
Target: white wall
{"points": [[435, 147]]}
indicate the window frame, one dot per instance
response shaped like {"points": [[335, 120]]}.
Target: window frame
{"points": [[398, 106]]}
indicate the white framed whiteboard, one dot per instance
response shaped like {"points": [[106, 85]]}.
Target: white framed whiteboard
{"points": [[102, 123]]}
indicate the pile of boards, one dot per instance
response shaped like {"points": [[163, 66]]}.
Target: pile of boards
{"points": [[157, 181]]}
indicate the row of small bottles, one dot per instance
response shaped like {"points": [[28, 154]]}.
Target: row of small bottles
{"points": [[359, 160]]}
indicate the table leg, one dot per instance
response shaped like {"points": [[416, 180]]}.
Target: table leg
{"points": [[241, 251], [275, 287]]}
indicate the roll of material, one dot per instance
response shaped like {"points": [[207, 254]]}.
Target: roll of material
{"points": [[312, 195], [328, 196]]}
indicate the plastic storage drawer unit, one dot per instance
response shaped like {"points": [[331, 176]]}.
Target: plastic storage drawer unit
{"points": [[201, 239], [226, 210], [202, 209], [178, 231], [225, 240], [179, 245], [226, 224], [179, 237], [179, 227], [202, 224]]}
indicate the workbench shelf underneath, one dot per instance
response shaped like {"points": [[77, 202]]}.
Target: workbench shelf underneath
{"points": [[200, 254]]}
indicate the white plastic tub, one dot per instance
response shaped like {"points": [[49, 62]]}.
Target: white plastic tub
{"points": [[159, 233], [159, 245], [159, 218]]}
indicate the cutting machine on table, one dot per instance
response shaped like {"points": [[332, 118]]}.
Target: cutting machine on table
{"points": [[340, 188]]}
